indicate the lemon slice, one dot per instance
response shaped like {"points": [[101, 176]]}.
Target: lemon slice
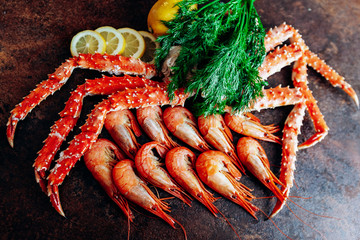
{"points": [[150, 47], [87, 42], [134, 43], [115, 42]]}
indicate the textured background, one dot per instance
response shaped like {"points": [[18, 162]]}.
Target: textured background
{"points": [[34, 40]]}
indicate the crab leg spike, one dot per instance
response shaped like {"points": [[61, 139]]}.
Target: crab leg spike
{"points": [[131, 98], [299, 78], [107, 63], [71, 113], [289, 149], [331, 75]]}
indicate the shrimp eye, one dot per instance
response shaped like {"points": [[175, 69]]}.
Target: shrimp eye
{"points": [[234, 196], [154, 208], [268, 181], [199, 195], [173, 190]]}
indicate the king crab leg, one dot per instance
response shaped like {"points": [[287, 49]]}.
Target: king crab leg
{"points": [[300, 81], [289, 149], [100, 62], [280, 34], [71, 113], [278, 59], [274, 97], [277, 36], [290, 132], [331, 75]]}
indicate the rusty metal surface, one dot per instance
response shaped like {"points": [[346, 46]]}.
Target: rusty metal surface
{"points": [[34, 40]]}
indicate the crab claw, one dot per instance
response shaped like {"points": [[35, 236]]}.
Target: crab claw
{"points": [[10, 131], [53, 193], [280, 204]]}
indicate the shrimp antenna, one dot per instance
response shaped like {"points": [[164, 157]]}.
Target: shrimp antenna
{"points": [[306, 210], [228, 222], [182, 227], [128, 222], [268, 218], [313, 228]]}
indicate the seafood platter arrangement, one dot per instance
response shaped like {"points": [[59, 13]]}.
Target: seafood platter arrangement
{"points": [[201, 122]]}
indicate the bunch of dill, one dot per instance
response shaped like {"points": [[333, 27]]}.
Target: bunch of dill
{"points": [[224, 42]]}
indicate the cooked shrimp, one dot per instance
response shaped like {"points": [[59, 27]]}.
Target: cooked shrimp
{"points": [[100, 160], [254, 158], [249, 125], [216, 170], [150, 120], [182, 124], [180, 163], [135, 190], [148, 166], [218, 135]]}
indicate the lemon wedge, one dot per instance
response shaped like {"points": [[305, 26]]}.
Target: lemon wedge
{"points": [[115, 42], [150, 47], [87, 41], [134, 43]]}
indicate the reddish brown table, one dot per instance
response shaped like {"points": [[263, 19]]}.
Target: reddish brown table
{"points": [[34, 40]]}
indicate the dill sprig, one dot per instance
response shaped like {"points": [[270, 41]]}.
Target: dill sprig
{"points": [[224, 42]]}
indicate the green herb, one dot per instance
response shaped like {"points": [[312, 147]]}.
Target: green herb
{"points": [[224, 42]]}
